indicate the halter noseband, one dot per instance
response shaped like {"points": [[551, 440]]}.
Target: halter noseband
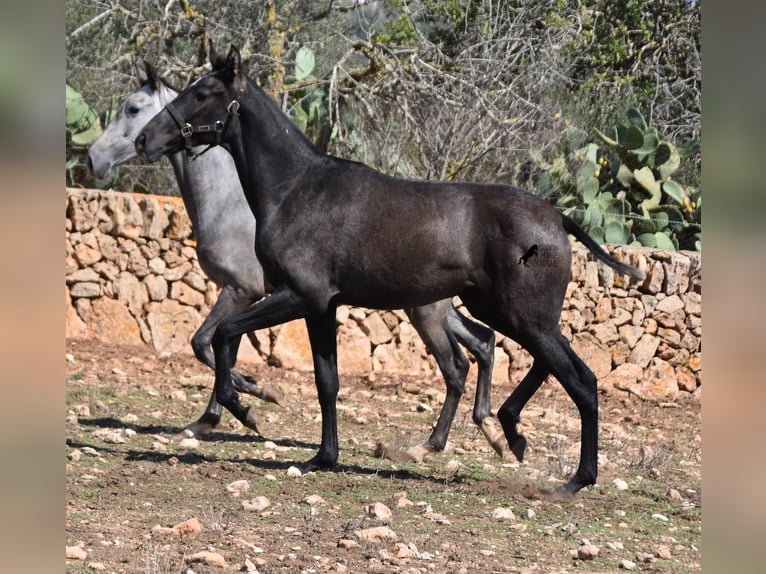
{"points": [[218, 127]]}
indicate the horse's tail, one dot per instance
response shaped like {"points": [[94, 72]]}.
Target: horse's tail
{"points": [[571, 227]]}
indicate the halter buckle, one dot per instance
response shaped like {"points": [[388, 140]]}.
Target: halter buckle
{"points": [[233, 108]]}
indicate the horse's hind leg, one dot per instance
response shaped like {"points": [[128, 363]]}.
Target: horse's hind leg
{"points": [[230, 301], [430, 321], [554, 351], [480, 341], [509, 413]]}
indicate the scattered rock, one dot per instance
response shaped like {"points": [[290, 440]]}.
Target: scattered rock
{"points": [[376, 535], [257, 504], [378, 511], [503, 514], [188, 444], [347, 543], [76, 553], [401, 501], [314, 500], [238, 487], [110, 436], [627, 565], [207, 558], [587, 552], [620, 484], [294, 471]]}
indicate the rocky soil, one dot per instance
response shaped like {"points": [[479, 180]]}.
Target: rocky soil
{"points": [[140, 502]]}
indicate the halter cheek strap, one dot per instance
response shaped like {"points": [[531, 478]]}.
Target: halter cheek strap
{"points": [[218, 128]]}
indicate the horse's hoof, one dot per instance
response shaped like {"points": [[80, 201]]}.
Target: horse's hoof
{"points": [[493, 436], [251, 420], [519, 447], [272, 395], [193, 430]]}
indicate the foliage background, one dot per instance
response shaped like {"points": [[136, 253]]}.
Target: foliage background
{"points": [[483, 90]]}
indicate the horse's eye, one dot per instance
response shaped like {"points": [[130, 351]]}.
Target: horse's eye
{"points": [[133, 110], [200, 96]]}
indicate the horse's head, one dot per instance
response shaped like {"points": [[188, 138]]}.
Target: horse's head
{"points": [[201, 114], [115, 145]]}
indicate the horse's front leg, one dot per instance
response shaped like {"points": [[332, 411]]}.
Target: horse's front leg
{"points": [[322, 336], [280, 307]]}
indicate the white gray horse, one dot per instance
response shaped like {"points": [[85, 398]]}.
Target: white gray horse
{"points": [[224, 227]]}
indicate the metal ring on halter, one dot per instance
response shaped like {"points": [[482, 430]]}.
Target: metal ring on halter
{"points": [[233, 108]]}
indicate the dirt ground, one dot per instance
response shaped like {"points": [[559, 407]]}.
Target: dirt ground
{"points": [[463, 510]]}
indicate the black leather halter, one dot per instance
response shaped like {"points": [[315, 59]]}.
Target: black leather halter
{"points": [[218, 127]]}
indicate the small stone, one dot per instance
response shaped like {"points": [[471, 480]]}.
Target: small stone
{"points": [[347, 543], [627, 565], [528, 514], [401, 501], [314, 500], [208, 558], [658, 516], [620, 484], [75, 455], [376, 534], [674, 494], [96, 566], [405, 551], [187, 528], [587, 552], [503, 514], [379, 511], [188, 444], [662, 551], [238, 487], [257, 504], [75, 553], [294, 471], [110, 436], [69, 358]]}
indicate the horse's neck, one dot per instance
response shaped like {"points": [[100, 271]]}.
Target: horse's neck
{"points": [[272, 154], [208, 186]]}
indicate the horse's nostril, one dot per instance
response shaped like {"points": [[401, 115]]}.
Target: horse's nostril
{"points": [[140, 143], [89, 163]]}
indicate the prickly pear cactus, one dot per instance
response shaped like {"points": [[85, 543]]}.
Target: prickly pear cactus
{"points": [[82, 123], [622, 189]]}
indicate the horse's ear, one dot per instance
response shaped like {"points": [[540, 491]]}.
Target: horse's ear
{"points": [[139, 75], [152, 77], [216, 60], [234, 62]]}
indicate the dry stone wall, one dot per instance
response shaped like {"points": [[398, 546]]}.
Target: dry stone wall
{"points": [[132, 277]]}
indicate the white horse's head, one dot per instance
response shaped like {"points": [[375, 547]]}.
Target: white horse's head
{"points": [[115, 144]]}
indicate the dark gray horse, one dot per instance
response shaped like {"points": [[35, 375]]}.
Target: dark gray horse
{"points": [[224, 227], [333, 232]]}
